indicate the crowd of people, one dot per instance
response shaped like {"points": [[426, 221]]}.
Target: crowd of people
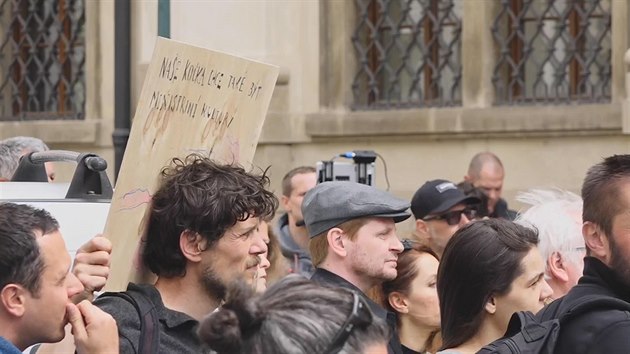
{"points": [[331, 275]]}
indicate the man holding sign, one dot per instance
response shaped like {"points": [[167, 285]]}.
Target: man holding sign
{"points": [[202, 234]]}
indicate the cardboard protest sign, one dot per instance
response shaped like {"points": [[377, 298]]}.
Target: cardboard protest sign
{"points": [[193, 100]]}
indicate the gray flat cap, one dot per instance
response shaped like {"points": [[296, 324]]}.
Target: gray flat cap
{"points": [[332, 203]]}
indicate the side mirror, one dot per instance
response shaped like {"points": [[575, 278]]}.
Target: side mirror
{"points": [[90, 180]]}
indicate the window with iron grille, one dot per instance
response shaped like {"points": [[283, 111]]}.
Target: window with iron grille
{"points": [[42, 59], [553, 51], [408, 53]]}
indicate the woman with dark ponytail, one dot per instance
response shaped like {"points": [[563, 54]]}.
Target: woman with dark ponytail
{"points": [[412, 296], [294, 316]]}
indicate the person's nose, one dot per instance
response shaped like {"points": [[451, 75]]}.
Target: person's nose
{"points": [[264, 262], [259, 245], [74, 285], [397, 246], [546, 291], [463, 220]]}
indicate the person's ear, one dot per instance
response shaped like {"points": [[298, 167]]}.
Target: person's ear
{"points": [[491, 306], [596, 241], [556, 267], [192, 245], [422, 228], [284, 201], [422, 232], [398, 302], [13, 298], [336, 242]]}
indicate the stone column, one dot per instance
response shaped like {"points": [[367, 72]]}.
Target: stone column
{"points": [[620, 42], [479, 53], [337, 55], [625, 111]]}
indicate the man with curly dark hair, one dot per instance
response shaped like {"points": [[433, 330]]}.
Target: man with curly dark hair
{"points": [[202, 234]]}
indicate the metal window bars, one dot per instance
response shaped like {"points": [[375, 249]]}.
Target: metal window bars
{"points": [[552, 52], [42, 59], [408, 54]]}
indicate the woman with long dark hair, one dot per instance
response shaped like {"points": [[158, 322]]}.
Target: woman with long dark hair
{"points": [[490, 269]]}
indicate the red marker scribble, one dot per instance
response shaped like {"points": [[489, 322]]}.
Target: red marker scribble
{"points": [[135, 198], [229, 150]]}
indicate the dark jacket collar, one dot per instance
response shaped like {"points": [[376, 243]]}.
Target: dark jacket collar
{"points": [[502, 211], [597, 279], [170, 318], [597, 274], [325, 277]]}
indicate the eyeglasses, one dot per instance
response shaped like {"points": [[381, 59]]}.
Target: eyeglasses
{"points": [[453, 217], [361, 316]]}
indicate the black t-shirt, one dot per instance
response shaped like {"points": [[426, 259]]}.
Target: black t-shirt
{"points": [[177, 330]]}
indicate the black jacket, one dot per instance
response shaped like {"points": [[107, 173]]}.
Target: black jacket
{"points": [[324, 277], [501, 210], [600, 331]]}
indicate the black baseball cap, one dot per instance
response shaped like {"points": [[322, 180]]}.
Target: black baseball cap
{"points": [[438, 196]]}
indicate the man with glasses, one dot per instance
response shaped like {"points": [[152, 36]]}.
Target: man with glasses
{"points": [[441, 209], [353, 241]]}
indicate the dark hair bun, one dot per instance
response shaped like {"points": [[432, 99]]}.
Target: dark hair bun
{"points": [[221, 331], [224, 329]]}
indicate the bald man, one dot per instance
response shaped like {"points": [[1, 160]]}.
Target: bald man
{"points": [[486, 173]]}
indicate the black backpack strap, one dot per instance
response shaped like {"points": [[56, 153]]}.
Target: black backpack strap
{"points": [[149, 320]]}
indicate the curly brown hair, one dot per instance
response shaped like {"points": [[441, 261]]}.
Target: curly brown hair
{"points": [[200, 195]]}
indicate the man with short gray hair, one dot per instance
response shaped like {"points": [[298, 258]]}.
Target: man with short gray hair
{"points": [[12, 149], [557, 215], [353, 241]]}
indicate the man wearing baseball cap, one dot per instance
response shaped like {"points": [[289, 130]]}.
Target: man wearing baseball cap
{"points": [[441, 209], [353, 241]]}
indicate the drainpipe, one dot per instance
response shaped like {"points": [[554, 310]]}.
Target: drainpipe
{"points": [[164, 18], [122, 80]]}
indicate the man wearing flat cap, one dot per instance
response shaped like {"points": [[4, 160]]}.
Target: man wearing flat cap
{"points": [[353, 241], [441, 209]]}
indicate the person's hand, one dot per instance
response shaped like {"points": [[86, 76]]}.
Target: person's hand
{"points": [[92, 266], [94, 330]]}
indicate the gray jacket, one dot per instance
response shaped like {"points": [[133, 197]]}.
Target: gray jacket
{"points": [[299, 260]]}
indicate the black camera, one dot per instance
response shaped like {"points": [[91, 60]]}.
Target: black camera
{"points": [[361, 170]]}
